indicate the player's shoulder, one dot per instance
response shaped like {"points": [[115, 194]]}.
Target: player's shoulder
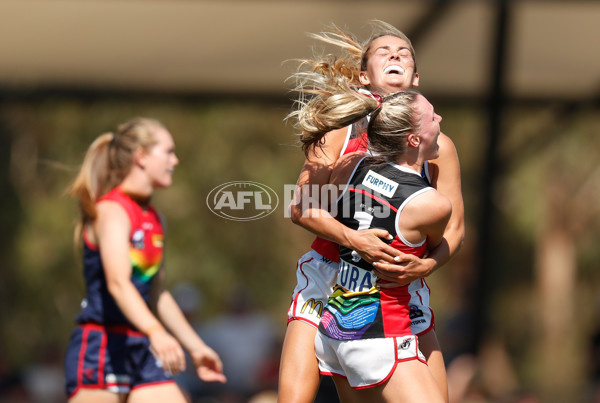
{"points": [[344, 167], [446, 145], [435, 203], [352, 158], [447, 150], [330, 148], [447, 159], [111, 209]]}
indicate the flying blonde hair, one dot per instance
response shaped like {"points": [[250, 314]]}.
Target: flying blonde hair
{"points": [[335, 104], [330, 75]]}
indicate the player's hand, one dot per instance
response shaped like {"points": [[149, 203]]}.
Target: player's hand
{"points": [[208, 365], [407, 269], [167, 351], [370, 246]]}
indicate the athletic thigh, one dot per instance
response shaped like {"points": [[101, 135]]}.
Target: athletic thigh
{"points": [[299, 371], [411, 382], [345, 391], [164, 392], [300, 340], [430, 347], [97, 396]]}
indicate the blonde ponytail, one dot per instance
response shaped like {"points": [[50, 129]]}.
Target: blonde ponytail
{"points": [[390, 125], [107, 162], [93, 177]]}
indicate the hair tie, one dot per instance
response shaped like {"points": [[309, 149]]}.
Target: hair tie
{"points": [[372, 95], [378, 98]]}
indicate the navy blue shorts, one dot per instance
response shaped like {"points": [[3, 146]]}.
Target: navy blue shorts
{"points": [[115, 358]]}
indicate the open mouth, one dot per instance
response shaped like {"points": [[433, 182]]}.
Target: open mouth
{"points": [[393, 69]]}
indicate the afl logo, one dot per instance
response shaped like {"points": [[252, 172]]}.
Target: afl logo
{"points": [[242, 201]]}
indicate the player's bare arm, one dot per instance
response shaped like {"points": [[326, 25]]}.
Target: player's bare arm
{"points": [[445, 177], [317, 170]]}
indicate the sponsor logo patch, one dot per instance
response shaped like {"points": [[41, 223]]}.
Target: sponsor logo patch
{"points": [[380, 184], [355, 279]]}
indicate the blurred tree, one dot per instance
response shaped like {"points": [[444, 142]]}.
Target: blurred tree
{"points": [[11, 215], [571, 205], [552, 193], [45, 139], [546, 199]]}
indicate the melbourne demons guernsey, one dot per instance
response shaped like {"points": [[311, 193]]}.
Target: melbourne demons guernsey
{"points": [[356, 140], [145, 254], [359, 308]]}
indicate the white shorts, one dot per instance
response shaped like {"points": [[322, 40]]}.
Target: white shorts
{"points": [[421, 314], [316, 276], [365, 363]]}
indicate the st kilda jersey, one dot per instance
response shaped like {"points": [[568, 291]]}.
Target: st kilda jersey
{"points": [[145, 255], [359, 309], [356, 140]]}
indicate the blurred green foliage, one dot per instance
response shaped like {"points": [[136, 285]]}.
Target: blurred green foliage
{"points": [[45, 137], [216, 143]]}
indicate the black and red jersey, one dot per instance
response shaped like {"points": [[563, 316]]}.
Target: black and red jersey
{"points": [[356, 140], [358, 309]]}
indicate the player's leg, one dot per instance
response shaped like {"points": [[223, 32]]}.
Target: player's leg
{"points": [[97, 396], [411, 382], [299, 370], [159, 393], [345, 392], [423, 324], [430, 347], [390, 369]]}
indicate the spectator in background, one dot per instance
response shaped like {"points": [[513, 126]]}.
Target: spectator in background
{"points": [[248, 343]]}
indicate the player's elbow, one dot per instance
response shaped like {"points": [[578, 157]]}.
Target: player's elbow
{"points": [[296, 215], [116, 286]]}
